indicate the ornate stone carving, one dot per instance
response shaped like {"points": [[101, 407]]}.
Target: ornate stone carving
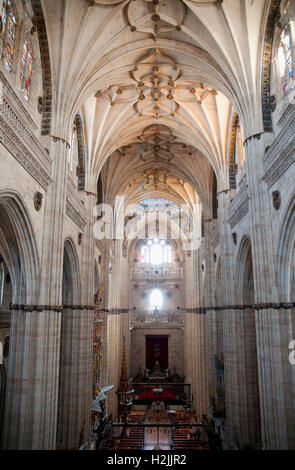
{"points": [[17, 136], [266, 65], [232, 149], [239, 206], [157, 87], [273, 103], [281, 154], [38, 198], [74, 207], [159, 16], [276, 200], [40, 25]]}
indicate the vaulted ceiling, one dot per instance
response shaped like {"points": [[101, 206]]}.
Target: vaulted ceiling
{"points": [[157, 83]]}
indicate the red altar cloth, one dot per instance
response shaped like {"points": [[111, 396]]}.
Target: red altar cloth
{"points": [[165, 395]]}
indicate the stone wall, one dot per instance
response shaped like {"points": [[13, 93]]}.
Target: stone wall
{"points": [[175, 348]]}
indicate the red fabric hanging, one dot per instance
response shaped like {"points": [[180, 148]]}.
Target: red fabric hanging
{"points": [[156, 349]]}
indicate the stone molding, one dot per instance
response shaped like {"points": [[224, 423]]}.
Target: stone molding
{"points": [[157, 326], [199, 311], [239, 206], [253, 137], [281, 154], [51, 308], [17, 136], [205, 310], [75, 209], [116, 311], [264, 306], [47, 99]]}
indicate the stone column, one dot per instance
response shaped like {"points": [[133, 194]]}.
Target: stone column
{"points": [[196, 369], [87, 299], [114, 333], [229, 332], [75, 393], [208, 300], [201, 344], [125, 320], [272, 324], [189, 324], [105, 260], [32, 387]]}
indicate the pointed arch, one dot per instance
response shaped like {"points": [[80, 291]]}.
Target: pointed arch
{"points": [[18, 248], [72, 278], [244, 273], [286, 252]]}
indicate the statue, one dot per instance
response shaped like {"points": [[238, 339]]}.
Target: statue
{"points": [[156, 350], [157, 368], [139, 377]]}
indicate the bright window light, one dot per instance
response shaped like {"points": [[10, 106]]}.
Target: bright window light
{"points": [[156, 252], [156, 299]]}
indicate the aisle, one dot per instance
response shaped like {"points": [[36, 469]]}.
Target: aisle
{"points": [[157, 438]]}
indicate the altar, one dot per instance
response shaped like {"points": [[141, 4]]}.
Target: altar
{"points": [[157, 374], [158, 394]]}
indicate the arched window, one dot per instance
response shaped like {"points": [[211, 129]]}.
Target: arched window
{"points": [[27, 64], [285, 60], [7, 35], [156, 252], [156, 299]]}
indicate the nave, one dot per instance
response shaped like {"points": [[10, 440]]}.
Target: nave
{"points": [[172, 431], [147, 223]]}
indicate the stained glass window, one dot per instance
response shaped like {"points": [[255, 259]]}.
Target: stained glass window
{"points": [[27, 64], [285, 60], [7, 35]]}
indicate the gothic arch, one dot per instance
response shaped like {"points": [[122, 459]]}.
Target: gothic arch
{"points": [[286, 252], [19, 248], [244, 273], [71, 317], [71, 279], [249, 434]]}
